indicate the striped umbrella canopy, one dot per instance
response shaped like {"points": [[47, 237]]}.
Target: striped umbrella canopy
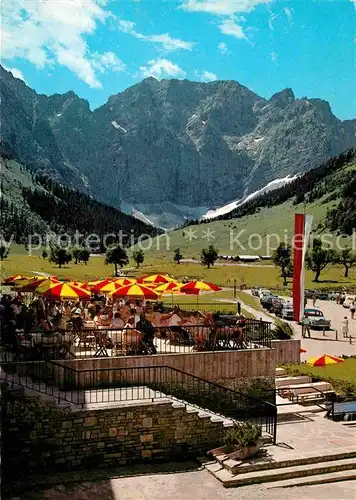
{"points": [[196, 287], [32, 285], [135, 290], [125, 281], [81, 284], [15, 278], [155, 279], [115, 285], [96, 286], [168, 287], [324, 360], [63, 291]]}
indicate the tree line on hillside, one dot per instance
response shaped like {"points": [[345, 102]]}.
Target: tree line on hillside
{"points": [[64, 208], [307, 188]]}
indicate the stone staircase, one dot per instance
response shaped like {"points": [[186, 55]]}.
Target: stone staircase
{"points": [[299, 471]]}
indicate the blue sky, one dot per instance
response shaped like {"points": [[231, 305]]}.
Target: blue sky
{"points": [[100, 47]]}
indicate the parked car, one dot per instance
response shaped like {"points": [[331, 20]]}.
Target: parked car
{"points": [[266, 301], [255, 291], [349, 300], [287, 311], [264, 291], [277, 304], [317, 318]]}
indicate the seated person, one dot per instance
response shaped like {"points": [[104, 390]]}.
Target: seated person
{"points": [[148, 330], [102, 320], [117, 321], [130, 323]]}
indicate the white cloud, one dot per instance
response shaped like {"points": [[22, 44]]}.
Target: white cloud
{"points": [[271, 20], [222, 48], [222, 7], [289, 13], [46, 32], [227, 10], [107, 60], [206, 76], [165, 40], [274, 57], [229, 26], [15, 72], [161, 68]]}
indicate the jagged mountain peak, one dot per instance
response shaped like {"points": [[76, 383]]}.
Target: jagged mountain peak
{"points": [[188, 143], [283, 98]]}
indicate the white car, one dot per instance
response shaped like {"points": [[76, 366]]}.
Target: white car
{"points": [[349, 300], [263, 292]]}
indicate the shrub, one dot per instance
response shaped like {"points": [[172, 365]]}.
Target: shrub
{"points": [[282, 331], [243, 434]]}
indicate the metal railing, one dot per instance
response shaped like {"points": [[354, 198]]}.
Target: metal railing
{"points": [[89, 343], [121, 385]]}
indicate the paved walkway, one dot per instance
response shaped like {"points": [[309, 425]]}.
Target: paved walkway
{"points": [[304, 430], [181, 485]]}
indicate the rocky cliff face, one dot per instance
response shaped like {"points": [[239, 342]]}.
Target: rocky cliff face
{"points": [[187, 143]]}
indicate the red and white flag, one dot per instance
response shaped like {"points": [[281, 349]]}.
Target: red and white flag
{"points": [[302, 229]]}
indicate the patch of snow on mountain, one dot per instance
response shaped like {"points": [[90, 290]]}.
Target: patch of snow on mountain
{"points": [[140, 216], [277, 183], [118, 127], [259, 139], [59, 114]]}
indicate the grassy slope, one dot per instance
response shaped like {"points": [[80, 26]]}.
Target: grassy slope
{"points": [[277, 220]]}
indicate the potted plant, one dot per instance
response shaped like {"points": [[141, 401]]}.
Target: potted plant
{"points": [[242, 441]]}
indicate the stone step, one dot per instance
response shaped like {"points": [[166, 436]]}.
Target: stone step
{"points": [[230, 480], [238, 467], [333, 477]]}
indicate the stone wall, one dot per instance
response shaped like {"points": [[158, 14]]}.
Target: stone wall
{"points": [[286, 351], [232, 369], [40, 438]]}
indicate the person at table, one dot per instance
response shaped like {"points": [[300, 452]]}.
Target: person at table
{"points": [[117, 321], [145, 326], [102, 320], [130, 323], [138, 307], [66, 310], [77, 319], [90, 310], [125, 311]]}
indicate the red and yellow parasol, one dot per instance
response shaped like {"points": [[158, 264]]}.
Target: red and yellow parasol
{"points": [[155, 279], [63, 291], [168, 287], [16, 277], [135, 290], [98, 285], [125, 281], [196, 287], [324, 360], [115, 285], [32, 285]]}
